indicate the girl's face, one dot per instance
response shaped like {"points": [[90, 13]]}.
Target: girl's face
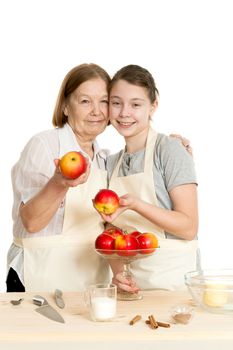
{"points": [[87, 108], [130, 108]]}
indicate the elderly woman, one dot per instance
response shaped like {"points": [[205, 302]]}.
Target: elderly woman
{"points": [[55, 223]]}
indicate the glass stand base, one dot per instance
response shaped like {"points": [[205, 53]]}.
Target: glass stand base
{"points": [[128, 296]]}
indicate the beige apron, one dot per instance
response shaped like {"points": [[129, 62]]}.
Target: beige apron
{"points": [[166, 268], [68, 261]]}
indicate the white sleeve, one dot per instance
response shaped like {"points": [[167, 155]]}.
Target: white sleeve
{"points": [[33, 169]]}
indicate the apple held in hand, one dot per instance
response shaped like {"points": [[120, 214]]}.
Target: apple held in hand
{"points": [[106, 242], [106, 201], [147, 242], [72, 165], [126, 245]]}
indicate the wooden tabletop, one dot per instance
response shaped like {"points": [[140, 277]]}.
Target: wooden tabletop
{"points": [[23, 328]]}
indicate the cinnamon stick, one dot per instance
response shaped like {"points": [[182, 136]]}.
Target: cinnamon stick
{"points": [[160, 324], [163, 324], [135, 319], [152, 321]]}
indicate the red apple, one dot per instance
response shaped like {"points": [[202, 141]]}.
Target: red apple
{"points": [[114, 232], [106, 242], [126, 245], [147, 243], [135, 234], [106, 201], [72, 165]]}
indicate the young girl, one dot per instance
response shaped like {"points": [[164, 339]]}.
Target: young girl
{"points": [[155, 178]]}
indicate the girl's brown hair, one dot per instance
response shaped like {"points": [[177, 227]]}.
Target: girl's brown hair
{"points": [[139, 76], [74, 78]]}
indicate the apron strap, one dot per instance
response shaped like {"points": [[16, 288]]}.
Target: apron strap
{"points": [[117, 167], [149, 151], [149, 154]]}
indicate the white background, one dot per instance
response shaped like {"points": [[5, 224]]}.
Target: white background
{"points": [[187, 46]]}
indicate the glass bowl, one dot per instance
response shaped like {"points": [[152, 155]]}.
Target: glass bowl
{"points": [[212, 289], [182, 314]]}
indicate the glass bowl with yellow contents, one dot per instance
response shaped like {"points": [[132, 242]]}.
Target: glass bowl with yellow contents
{"points": [[212, 289]]}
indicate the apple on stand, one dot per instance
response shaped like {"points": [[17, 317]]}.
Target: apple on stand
{"points": [[72, 165], [106, 201], [126, 245], [114, 232], [106, 242], [148, 242], [135, 234]]}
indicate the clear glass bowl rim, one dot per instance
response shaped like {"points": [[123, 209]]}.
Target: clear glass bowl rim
{"points": [[210, 276]]}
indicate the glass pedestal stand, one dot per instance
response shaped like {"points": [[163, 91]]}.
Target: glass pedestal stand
{"points": [[124, 295], [126, 259]]}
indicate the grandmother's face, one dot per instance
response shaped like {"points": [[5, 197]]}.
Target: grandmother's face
{"points": [[87, 109]]}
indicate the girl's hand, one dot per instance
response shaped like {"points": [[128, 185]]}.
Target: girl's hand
{"points": [[126, 202], [123, 283], [64, 182]]}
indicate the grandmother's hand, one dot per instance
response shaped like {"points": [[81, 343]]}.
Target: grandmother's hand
{"points": [[185, 142], [64, 182]]}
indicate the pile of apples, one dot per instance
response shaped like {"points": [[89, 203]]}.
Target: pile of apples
{"points": [[114, 240]]}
